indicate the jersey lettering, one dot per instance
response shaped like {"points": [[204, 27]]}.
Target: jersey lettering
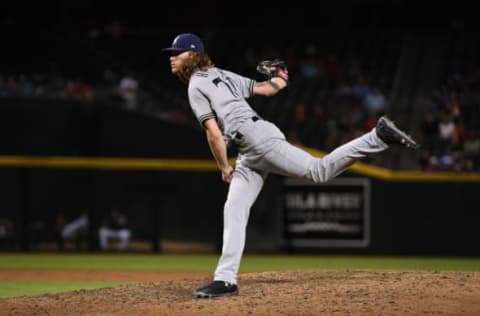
{"points": [[227, 83]]}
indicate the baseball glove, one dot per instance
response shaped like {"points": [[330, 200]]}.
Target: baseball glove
{"points": [[273, 68]]}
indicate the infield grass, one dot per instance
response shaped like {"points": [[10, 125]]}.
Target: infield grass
{"points": [[201, 263], [250, 263]]}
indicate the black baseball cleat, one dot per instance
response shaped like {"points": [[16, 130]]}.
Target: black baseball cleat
{"points": [[391, 134], [216, 289]]}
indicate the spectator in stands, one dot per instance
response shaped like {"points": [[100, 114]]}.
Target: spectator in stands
{"points": [[25, 85], [128, 90], [310, 66], [332, 68], [370, 121], [114, 227], [298, 124], [375, 101], [79, 90], [84, 91], [360, 88], [75, 231], [446, 130]]}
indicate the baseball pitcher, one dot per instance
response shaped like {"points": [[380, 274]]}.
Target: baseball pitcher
{"points": [[218, 98]]}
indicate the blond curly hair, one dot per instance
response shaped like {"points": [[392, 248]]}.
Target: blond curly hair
{"points": [[196, 61]]}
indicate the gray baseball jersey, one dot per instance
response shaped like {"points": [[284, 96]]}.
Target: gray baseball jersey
{"points": [[263, 149], [221, 94]]}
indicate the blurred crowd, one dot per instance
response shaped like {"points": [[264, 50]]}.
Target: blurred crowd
{"points": [[450, 127], [337, 91]]}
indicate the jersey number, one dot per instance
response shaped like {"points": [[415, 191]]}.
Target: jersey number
{"points": [[228, 84]]}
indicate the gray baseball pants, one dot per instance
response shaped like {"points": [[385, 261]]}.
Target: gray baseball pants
{"points": [[263, 150]]}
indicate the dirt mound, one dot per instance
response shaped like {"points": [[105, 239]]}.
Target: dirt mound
{"points": [[354, 292]]}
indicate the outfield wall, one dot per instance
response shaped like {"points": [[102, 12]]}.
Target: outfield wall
{"points": [[64, 158]]}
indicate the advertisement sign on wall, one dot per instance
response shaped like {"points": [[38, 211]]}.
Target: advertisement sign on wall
{"points": [[327, 215]]}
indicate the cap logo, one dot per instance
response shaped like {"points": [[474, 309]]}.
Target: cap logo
{"points": [[186, 41]]}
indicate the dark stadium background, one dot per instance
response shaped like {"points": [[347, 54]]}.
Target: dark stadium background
{"points": [[409, 48]]}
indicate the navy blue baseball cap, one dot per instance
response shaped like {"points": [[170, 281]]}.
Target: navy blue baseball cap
{"points": [[186, 41]]}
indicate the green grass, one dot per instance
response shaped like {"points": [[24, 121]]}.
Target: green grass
{"points": [[202, 263], [250, 263], [23, 288], [253, 264], [111, 262]]}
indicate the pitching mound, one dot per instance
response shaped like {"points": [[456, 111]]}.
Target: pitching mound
{"points": [[289, 293]]}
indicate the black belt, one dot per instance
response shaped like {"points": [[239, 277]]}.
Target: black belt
{"points": [[239, 135]]}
